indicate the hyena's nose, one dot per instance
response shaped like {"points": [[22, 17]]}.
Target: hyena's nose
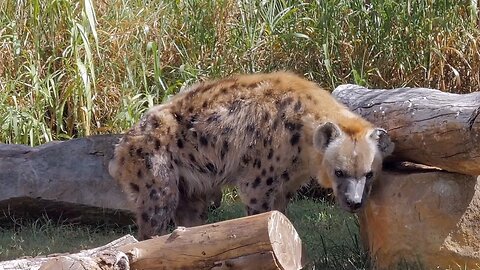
{"points": [[354, 205]]}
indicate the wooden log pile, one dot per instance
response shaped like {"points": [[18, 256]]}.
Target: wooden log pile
{"points": [[264, 241], [425, 208]]}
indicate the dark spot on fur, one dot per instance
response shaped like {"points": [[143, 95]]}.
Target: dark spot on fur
{"points": [[190, 109], [293, 126], [204, 140], [178, 117], [148, 186], [181, 179], [245, 159], [266, 116], [251, 211], [256, 182], [211, 168], [282, 104], [250, 128], [253, 85], [269, 192], [154, 122], [139, 173], [285, 176], [257, 163], [148, 163], [139, 152], [295, 138], [267, 141], [192, 121], [234, 106], [153, 222], [213, 118], [153, 194], [253, 201], [270, 154], [157, 144], [298, 106], [145, 217], [295, 159], [275, 123], [271, 168], [122, 160], [289, 195], [176, 161], [264, 172], [278, 158], [157, 209], [134, 187], [223, 90], [269, 181], [194, 134], [226, 130], [179, 143], [265, 206], [309, 97], [192, 158], [224, 150], [204, 105]]}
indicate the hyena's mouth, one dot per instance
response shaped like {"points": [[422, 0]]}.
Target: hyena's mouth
{"points": [[349, 206]]}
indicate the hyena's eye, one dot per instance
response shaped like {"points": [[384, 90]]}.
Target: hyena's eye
{"points": [[340, 174], [369, 175]]}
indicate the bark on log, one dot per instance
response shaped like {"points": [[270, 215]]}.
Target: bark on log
{"points": [[45, 180], [104, 257], [428, 126], [264, 241]]}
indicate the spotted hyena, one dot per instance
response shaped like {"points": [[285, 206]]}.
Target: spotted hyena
{"points": [[266, 134]]}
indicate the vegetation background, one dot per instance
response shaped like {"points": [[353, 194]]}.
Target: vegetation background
{"points": [[77, 68]]}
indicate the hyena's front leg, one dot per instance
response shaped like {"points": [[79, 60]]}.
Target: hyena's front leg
{"points": [[150, 182], [157, 205], [258, 194]]}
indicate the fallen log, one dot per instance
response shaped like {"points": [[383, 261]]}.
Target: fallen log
{"points": [[428, 126], [105, 257], [46, 179], [264, 241]]}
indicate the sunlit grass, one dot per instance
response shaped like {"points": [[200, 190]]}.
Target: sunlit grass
{"points": [[75, 68]]}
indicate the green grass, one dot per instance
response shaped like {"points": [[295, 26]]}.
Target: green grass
{"points": [[330, 235], [45, 236], [75, 68]]}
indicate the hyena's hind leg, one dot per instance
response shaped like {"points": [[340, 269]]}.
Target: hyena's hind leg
{"points": [[193, 209], [150, 181]]}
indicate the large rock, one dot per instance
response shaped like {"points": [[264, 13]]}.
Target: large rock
{"points": [[64, 179], [425, 217]]}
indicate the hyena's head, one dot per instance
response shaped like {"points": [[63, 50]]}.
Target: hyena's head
{"points": [[351, 162]]}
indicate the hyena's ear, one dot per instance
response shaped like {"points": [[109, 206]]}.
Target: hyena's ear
{"points": [[324, 135], [385, 145]]}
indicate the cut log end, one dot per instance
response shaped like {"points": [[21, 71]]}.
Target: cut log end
{"points": [[286, 244]]}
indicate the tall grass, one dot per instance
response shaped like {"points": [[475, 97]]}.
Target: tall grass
{"points": [[76, 68]]}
